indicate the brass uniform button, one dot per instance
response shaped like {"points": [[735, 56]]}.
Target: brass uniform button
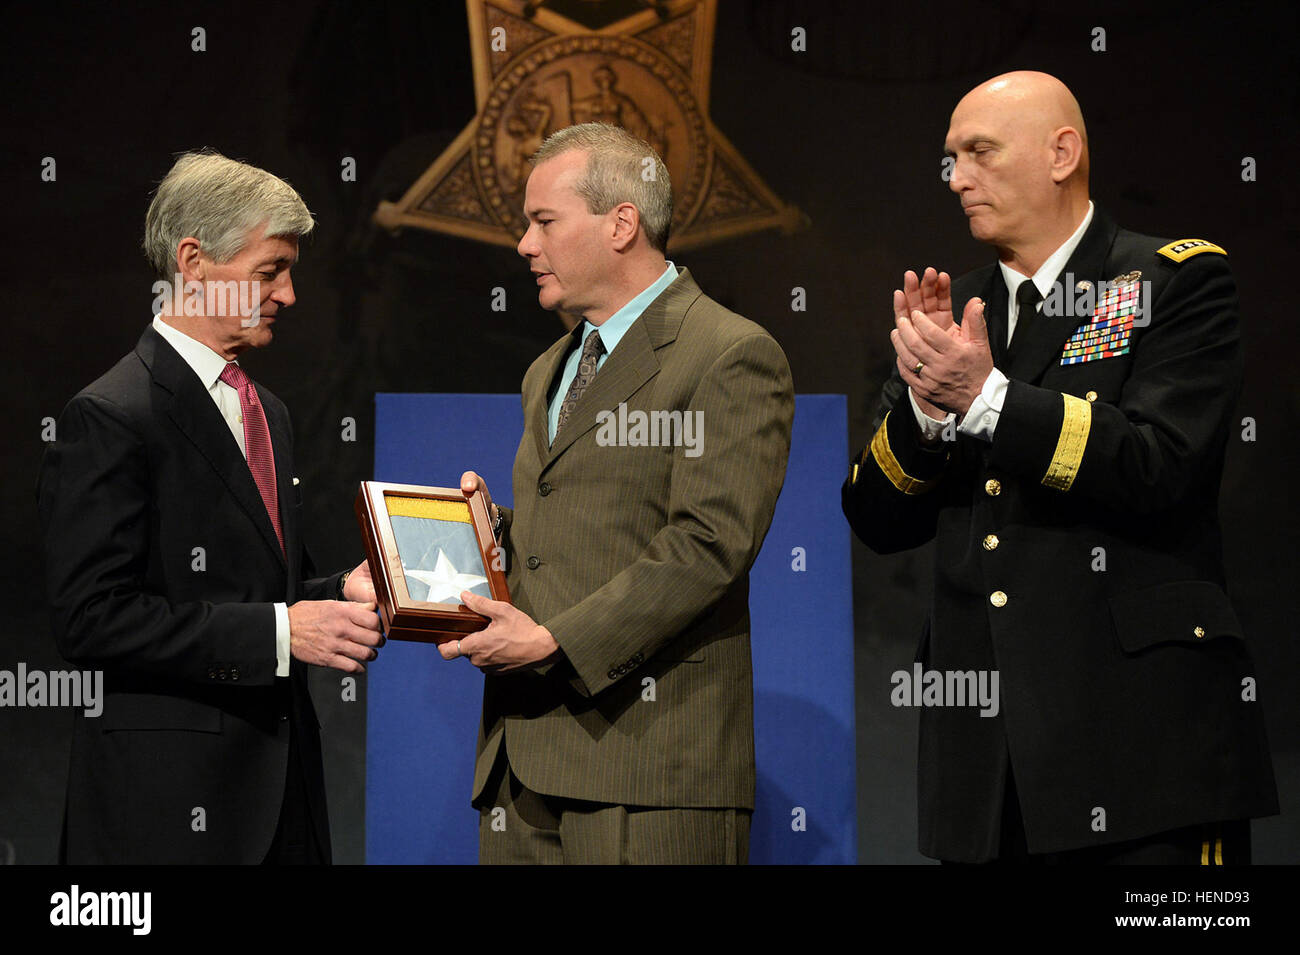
{"points": [[1091, 396], [1200, 633], [998, 598], [991, 542], [992, 487]]}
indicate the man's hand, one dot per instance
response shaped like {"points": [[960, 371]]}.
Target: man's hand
{"points": [[471, 483], [931, 294], [511, 641], [955, 361], [360, 585], [334, 633]]}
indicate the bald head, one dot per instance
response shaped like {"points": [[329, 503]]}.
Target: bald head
{"points": [[1021, 169], [1032, 104], [1044, 96]]}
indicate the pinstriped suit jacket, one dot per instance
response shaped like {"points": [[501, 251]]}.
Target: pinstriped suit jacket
{"points": [[637, 559]]}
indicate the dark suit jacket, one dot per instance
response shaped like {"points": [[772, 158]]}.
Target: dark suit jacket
{"points": [[1094, 511], [144, 473], [637, 559]]}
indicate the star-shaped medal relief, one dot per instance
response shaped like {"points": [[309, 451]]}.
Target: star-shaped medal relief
{"points": [[445, 582], [541, 65]]}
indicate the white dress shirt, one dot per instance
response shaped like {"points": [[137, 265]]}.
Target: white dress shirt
{"points": [[208, 365]]}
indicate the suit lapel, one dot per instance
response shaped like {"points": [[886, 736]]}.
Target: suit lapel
{"points": [[995, 298], [192, 410], [627, 368], [537, 404], [1047, 333], [632, 363]]}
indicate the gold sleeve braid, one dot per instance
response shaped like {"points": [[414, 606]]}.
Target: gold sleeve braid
{"points": [[1075, 425], [889, 465]]}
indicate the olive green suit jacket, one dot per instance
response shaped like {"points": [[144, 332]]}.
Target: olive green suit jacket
{"points": [[634, 550]]}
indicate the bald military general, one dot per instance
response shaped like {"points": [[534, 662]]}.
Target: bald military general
{"points": [[1056, 423]]}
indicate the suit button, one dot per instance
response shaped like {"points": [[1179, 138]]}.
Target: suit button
{"points": [[637, 658], [212, 673], [284, 717], [234, 673], [544, 489], [613, 674], [221, 673], [534, 563], [1200, 633], [991, 542], [1091, 396], [992, 487], [998, 598]]}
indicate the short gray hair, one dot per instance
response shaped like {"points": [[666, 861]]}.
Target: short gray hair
{"points": [[616, 172], [218, 201]]}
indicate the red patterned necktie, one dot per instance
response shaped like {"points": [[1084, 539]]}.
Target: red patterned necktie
{"points": [[257, 442]]}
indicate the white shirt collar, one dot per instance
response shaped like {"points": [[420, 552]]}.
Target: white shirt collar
{"points": [[207, 364], [1050, 269]]}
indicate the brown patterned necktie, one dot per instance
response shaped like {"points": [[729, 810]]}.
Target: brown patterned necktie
{"points": [[592, 349]]}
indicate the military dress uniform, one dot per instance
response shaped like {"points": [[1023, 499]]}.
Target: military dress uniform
{"points": [[1079, 555]]}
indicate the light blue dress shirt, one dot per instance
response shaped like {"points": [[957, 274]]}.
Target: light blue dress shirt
{"points": [[612, 331]]}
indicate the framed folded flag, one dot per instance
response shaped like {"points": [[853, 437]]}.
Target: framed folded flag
{"points": [[425, 546]]}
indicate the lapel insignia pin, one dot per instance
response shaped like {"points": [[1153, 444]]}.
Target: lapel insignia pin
{"points": [[1126, 278], [1082, 286]]}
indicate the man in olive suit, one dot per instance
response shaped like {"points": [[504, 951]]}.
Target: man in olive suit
{"points": [[618, 706]]}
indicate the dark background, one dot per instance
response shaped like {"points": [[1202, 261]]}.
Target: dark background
{"points": [[850, 131]]}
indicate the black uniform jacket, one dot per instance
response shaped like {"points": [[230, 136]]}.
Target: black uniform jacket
{"points": [[1079, 556]]}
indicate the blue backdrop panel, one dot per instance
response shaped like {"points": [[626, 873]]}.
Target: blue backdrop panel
{"points": [[422, 712]]}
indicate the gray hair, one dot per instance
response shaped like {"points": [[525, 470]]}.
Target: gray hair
{"points": [[620, 168], [218, 201]]}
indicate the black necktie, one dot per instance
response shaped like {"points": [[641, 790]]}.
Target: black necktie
{"points": [[592, 349], [1027, 299]]}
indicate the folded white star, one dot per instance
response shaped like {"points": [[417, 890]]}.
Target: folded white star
{"points": [[445, 582]]}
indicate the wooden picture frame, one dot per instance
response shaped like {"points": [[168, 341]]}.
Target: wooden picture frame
{"points": [[425, 545]]}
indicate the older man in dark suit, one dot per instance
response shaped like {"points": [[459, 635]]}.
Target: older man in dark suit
{"points": [[618, 712], [175, 561]]}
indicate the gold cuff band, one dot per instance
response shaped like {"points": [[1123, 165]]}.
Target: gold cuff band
{"points": [[1075, 425], [889, 465]]}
